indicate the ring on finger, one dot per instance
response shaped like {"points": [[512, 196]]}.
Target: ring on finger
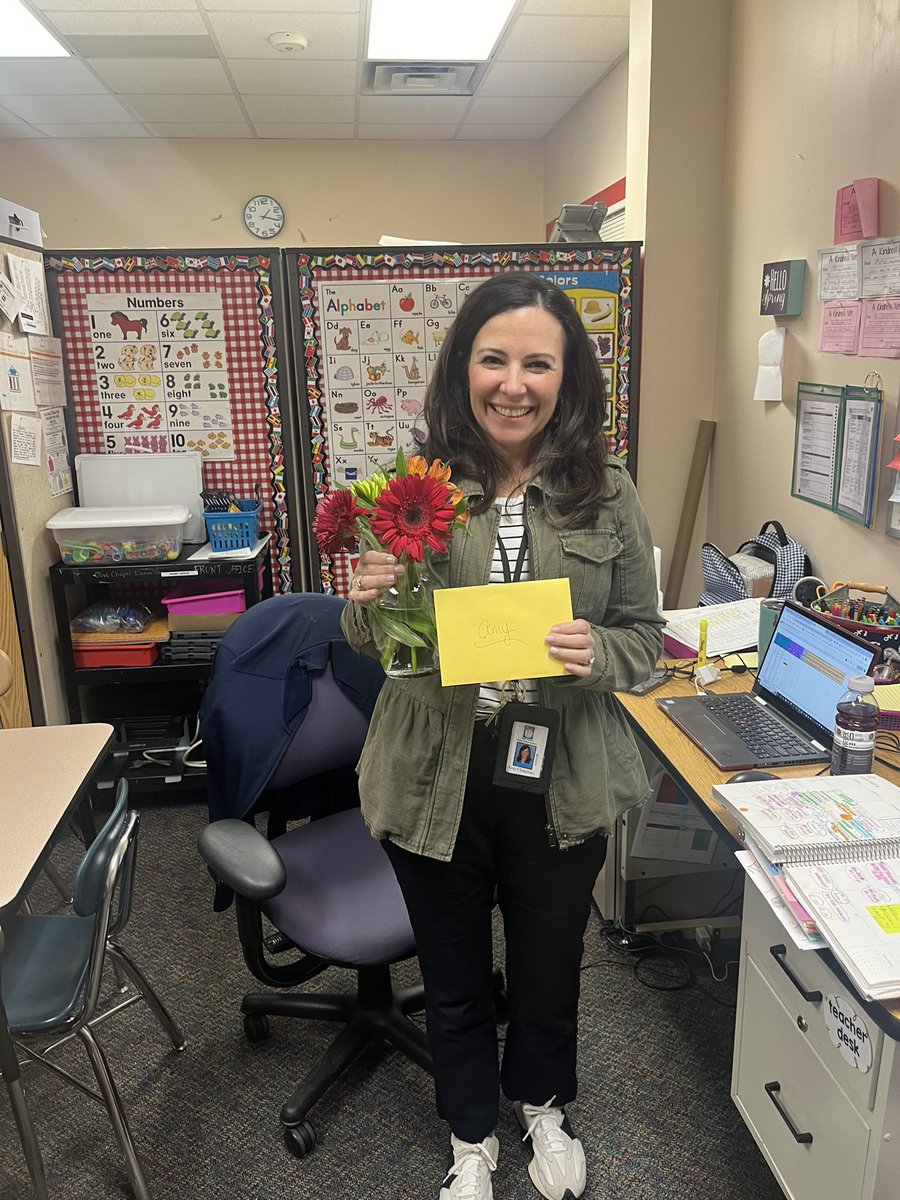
{"points": [[592, 659], [359, 583]]}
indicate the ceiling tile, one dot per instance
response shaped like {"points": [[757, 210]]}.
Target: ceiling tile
{"points": [[166, 107], [405, 110], [325, 7], [76, 130], [61, 109], [21, 130], [294, 77], [502, 133], [144, 75], [541, 79], [304, 131], [243, 35], [46, 77], [137, 21], [303, 109], [200, 129], [51, 8], [533, 110], [557, 39], [425, 133], [143, 45], [577, 8]]}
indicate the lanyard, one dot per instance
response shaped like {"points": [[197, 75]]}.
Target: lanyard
{"points": [[515, 576]]}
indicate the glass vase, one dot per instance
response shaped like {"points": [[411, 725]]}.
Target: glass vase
{"points": [[406, 633]]}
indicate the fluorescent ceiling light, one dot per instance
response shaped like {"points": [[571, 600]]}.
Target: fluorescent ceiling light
{"points": [[429, 30], [23, 36]]}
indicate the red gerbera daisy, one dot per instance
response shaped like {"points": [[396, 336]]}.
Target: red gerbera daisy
{"points": [[334, 525], [411, 513]]}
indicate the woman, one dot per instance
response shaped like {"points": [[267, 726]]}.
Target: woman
{"points": [[516, 406]]}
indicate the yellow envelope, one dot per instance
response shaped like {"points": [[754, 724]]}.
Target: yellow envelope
{"points": [[498, 631]]}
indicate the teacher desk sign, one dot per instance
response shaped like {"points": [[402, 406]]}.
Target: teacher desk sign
{"points": [[499, 631]]}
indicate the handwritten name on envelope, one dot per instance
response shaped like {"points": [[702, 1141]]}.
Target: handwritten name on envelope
{"points": [[498, 631]]}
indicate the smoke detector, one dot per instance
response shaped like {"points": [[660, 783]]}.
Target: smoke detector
{"points": [[287, 43]]}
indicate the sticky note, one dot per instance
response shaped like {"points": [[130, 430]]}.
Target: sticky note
{"points": [[499, 631], [886, 916]]}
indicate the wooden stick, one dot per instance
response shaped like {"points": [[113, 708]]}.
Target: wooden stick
{"points": [[692, 492]]}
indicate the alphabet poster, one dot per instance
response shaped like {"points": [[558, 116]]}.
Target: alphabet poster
{"points": [[372, 324]]}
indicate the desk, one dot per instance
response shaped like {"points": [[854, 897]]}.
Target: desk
{"points": [[781, 1038], [45, 774]]}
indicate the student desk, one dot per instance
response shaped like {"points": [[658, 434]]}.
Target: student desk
{"points": [[828, 1123], [45, 774]]}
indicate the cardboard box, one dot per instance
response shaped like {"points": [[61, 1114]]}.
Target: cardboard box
{"points": [[192, 621]]}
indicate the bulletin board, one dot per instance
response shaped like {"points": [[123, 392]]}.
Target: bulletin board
{"points": [[180, 352], [368, 327]]}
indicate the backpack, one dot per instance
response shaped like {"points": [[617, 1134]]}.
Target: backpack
{"points": [[723, 582]]}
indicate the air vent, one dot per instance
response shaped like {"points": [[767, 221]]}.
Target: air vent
{"points": [[427, 79]]}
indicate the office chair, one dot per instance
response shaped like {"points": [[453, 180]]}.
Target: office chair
{"points": [[51, 970], [329, 890]]}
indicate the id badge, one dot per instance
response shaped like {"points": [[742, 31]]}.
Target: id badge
{"points": [[526, 742]]}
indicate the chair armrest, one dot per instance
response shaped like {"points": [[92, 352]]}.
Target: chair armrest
{"points": [[240, 856]]}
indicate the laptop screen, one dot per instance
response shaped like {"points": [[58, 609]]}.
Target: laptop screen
{"points": [[808, 664]]}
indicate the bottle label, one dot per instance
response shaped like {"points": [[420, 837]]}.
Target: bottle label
{"points": [[853, 751]]}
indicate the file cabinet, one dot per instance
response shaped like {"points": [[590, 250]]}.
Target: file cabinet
{"points": [[828, 1129]]}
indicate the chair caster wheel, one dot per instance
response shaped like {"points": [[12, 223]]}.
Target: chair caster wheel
{"points": [[256, 1027], [300, 1139]]}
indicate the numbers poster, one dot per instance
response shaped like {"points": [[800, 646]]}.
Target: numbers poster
{"points": [[373, 325], [161, 372]]}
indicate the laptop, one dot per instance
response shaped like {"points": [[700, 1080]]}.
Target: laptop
{"points": [[788, 716]]}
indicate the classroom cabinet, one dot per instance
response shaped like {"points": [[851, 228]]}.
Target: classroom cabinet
{"points": [[154, 707], [826, 1119]]}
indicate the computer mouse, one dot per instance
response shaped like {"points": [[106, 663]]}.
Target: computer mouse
{"points": [[750, 776]]}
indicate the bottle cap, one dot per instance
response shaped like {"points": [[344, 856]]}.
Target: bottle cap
{"points": [[861, 683]]}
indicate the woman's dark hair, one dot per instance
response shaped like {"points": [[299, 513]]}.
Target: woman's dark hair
{"points": [[573, 451]]}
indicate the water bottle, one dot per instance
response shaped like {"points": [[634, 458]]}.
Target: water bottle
{"points": [[855, 727]]}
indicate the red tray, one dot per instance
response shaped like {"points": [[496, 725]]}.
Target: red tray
{"points": [[141, 654]]}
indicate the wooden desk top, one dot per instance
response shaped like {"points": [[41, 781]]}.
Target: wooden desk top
{"points": [[43, 772], [693, 770]]}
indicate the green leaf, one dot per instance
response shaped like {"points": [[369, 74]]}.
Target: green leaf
{"points": [[399, 631], [401, 463]]}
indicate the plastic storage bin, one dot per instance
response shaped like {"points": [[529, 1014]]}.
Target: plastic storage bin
{"points": [[140, 654], [119, 535], [206, 596], [233, 531]]}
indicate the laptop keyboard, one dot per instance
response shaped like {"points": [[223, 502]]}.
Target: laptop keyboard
{"points": [[764, 734]]}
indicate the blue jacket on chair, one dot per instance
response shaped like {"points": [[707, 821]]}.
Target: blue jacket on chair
{"points": [[260, 691]]}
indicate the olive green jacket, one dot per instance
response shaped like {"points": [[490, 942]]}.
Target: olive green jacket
{"points": [[412, 772]]}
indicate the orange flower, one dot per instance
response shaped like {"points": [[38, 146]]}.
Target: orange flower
{"points": [[416, 465], [439, 471]]}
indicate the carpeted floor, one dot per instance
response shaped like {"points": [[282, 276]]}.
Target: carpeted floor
{"points": [[654, 1110]]}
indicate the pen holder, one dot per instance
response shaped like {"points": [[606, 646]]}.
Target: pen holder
{"points": [[768, 616]]}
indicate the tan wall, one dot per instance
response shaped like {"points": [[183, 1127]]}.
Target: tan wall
{"points": [[814, 103], [148, 193], [678, 98], [586, 151]]}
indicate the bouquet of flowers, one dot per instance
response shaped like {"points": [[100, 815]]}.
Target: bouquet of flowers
{"points": [[409, 512]]}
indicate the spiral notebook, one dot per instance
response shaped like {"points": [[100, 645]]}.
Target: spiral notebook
{"points": [[828, 819]]}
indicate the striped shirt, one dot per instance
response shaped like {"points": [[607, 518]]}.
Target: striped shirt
{"points": [[510, 533]]}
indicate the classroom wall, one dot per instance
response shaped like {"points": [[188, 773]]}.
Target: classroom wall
{"points": [[146, 193], [587, 150], [813, 104]]}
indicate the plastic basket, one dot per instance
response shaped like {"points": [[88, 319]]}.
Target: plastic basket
{"points": [[234, 530]]}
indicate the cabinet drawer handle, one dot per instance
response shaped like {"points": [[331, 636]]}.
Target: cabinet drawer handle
{"points": [[773, 1089], [779, 953]]}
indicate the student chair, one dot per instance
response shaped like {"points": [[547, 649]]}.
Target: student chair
{"points": [[51, 970], [329, 890]]}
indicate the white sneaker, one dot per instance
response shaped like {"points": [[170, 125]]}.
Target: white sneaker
{"points": [[557, 1169], [469, 1176]]}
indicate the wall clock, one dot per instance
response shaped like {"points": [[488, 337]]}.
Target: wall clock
{"points": [[263, 216]]}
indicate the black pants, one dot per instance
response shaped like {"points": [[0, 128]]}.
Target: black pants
{"points": [[544, 895]]}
